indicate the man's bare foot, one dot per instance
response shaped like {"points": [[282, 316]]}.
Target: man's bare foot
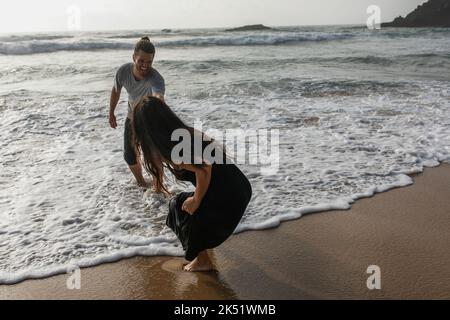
{"points": [[144, 185], [201, 263]]}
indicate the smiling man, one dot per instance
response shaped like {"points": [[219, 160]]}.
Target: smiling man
{"points": [[139, 79]]}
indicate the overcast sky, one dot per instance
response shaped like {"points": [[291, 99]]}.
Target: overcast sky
{"points": [[53, 15]]}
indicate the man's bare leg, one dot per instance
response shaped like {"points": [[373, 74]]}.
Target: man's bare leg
{"points": [[201, 263], [137, 172]]}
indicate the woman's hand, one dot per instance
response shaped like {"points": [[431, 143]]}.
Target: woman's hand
{"points": [[190, 205]]}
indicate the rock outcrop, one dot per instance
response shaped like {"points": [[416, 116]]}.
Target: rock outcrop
{"points": [[253, 27], [434, 13]]}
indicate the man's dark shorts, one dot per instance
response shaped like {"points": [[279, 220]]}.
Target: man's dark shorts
{"points": [[129, 152]]}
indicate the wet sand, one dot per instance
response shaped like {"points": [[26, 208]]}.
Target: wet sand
{"points": [[404, 231]]}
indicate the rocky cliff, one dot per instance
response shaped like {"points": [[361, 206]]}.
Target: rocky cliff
{"points": [[434, 13]]}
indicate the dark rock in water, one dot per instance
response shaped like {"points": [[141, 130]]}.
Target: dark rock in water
{"points": [[434, 13], [166, 30], [253, 27]]}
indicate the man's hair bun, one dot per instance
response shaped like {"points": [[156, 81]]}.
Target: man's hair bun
{"points": [[145, 45]]}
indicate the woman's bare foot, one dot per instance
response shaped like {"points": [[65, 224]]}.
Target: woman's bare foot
{"points": [[201, 263]]}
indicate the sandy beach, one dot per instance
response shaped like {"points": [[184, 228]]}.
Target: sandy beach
{"points": [[321, 256]]}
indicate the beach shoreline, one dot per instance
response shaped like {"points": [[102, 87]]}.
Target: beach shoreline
{"points": [[325, 255]]}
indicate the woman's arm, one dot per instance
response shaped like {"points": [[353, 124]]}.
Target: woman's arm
{"points": [[203, 178], [159, 96]]}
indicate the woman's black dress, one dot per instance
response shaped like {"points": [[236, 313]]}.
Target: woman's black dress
{"points": [[219, 213]]}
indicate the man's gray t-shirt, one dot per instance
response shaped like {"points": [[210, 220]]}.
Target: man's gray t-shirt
{"points": [[153, 83]]}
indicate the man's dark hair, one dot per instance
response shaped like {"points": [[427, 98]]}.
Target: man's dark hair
{"points": [[145, 45]]}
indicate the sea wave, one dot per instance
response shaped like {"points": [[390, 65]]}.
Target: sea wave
{"points": [[45, 46], [301, 88], [261, 39], [35, 46], [39, 37], [425, 59]]}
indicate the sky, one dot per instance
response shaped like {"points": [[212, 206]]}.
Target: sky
{"points": [[87, 15]]}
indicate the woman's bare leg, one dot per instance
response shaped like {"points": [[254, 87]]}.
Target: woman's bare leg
{"points": [[201, 263]]}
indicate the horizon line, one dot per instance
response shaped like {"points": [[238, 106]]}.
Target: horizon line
{"points": [[181, 28]]}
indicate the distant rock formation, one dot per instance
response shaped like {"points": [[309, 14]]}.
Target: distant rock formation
{"points": [[434, 13], [253, 27], [166, 30]]}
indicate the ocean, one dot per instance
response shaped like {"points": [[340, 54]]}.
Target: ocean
{"points": [[356, 111]]}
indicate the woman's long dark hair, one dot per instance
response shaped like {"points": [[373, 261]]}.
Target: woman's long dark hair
{"points": [[153, 123]]}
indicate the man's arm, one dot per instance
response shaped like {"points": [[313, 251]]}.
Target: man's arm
{"points": [[115, 96], [159, 86]]}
